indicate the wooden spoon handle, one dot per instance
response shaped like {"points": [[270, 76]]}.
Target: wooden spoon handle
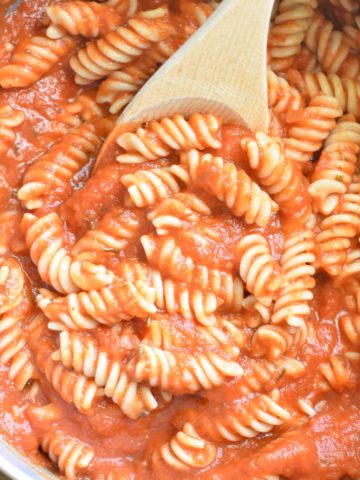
{"points": [[223, 63]]}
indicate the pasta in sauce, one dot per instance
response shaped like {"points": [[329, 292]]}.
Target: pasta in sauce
{"points": [[192, 306]]}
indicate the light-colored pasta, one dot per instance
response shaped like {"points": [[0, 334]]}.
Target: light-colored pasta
{"points": [[165, 255], [9, 119], [33, 59], [288, 32], [282, 98], [89, 19], [146, 187], [335, 169], [273, 341], [177, 212], [338, 373], [102, 57], [12, 282], [310, 127], [85, 357], [57, 167], [182, 374], [258, 270], [112, 234], [297, 268], [345, 90], [331, 48], [45, 239], [186, 451], [336, 232], [14, 351], [125, 7], [71, 455], [230, 185], [350, 328], [108, 306], [159, 139], [83, 108], [260, 415], [279, 175]]}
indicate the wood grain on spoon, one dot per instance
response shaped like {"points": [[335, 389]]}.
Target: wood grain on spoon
{"points": [[220, 70]]}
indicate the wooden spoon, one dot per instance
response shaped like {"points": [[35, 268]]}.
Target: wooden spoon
{"points": [[221, 69]]}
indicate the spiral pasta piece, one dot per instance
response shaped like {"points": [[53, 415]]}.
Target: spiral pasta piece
{"points": [[163, 254], [229, 185], [273, 341], [186, 451], [146, 187], [260, 415], [178, 375], [282, 98], [83, 108], [334, 171], [159, 139], [9, 119], [297, 267], [113, 233], [279, 175], [336, 232], [124, 7], [345, 90], [46, 241], [338, 373], [350, 328], [309, 127], [331, 48], [177, 211], [108, 306], [85, 357], [89, 19], [33, 59], [70, 454], [121, 86], [258, 270], [14, 350], [55, 169], [11, 284], [288, 32], [102, 57]]}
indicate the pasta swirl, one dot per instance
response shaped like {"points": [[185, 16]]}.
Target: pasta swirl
{"points": [[9, 119], [231, 186], [186, 451], [102, 57]]}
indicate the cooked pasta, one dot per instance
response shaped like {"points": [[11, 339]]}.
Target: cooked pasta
{"points": [[179, 296], [56, 168], [159, 139], [288, 32], [115, 303], [345, 90], [186, 451], [231, 186], [335, 169], [260, 415], [102, 57], [89, 19], [297, 268], [85, 357], [172, 373], [177, 211], [146, 187], [33, 59], [45, 239], [309, 127], [163, 254], [9, 120], [258, 270], [71, 455], [279, 175], [331, 48]]}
